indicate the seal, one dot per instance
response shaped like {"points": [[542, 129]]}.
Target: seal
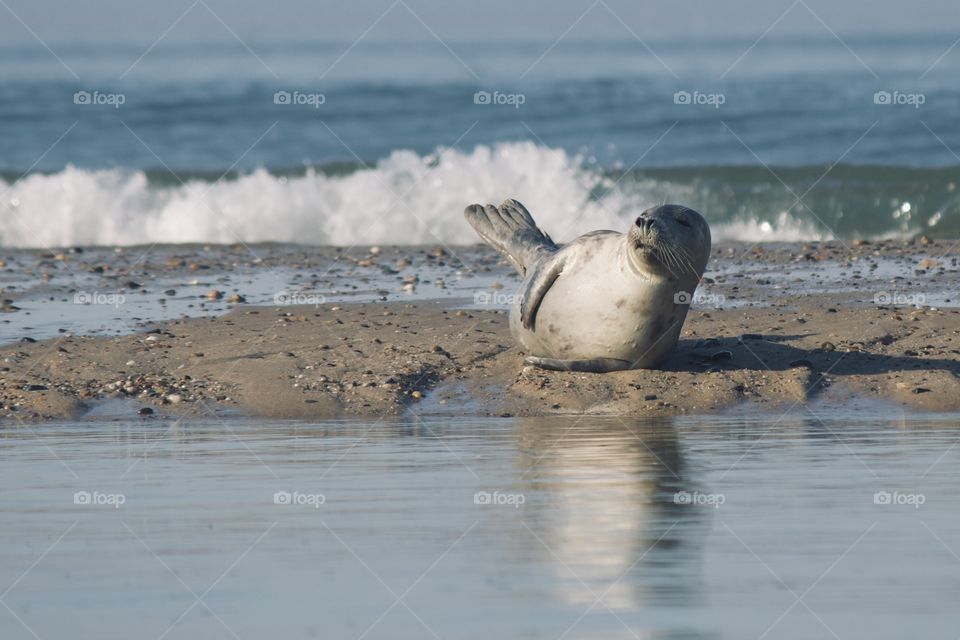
{"points": [[606, 301]]}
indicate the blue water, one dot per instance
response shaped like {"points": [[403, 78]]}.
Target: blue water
{"points": [[722, 527], [792, 101], [773, 119]]}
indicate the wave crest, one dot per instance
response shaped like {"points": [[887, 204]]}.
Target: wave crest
{"points": [[404, 199]]}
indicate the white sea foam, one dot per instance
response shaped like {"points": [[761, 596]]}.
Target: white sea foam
{"points": [[404, 199]]}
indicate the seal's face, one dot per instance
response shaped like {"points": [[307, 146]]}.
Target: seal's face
{"points": [[670, 240]]}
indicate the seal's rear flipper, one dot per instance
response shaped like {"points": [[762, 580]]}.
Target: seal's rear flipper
{"points": [[510, 229], [594, 365]]}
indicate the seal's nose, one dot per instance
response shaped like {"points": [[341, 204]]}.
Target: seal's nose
{"points": [[644, 223]]}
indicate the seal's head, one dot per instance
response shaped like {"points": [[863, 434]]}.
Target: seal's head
{"points": [[671, 240]]}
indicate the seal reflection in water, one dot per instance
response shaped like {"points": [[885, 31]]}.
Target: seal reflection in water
{"points": [[601, 512], [606, 301]]}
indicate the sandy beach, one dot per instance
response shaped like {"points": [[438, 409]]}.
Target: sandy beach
{"points": [[828, 325]]}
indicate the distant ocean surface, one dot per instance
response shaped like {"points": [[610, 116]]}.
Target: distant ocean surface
{"points": [[320, 143]]}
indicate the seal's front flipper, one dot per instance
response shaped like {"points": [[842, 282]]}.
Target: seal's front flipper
{"points": [[594, 365], [537, 287], [510, 229]]}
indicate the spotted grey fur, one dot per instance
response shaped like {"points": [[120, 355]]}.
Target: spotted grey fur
{"points": [[606, 301]]}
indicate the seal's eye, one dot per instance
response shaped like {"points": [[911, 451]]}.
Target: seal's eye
{"points": [[684, 222]]}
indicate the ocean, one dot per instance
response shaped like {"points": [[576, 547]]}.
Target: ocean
{"points": [[808, 522], [785, 138]]}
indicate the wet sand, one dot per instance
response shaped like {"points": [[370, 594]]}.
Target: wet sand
{"points": [[763, 344]]}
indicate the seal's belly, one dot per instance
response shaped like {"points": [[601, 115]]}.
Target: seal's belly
{"points": [[595, 311]]}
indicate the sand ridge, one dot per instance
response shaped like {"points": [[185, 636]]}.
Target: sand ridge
{"points": [[374, 359]]}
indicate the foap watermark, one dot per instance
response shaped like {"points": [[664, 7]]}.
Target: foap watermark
{"points": [[497, 98], [699, 98], [699, 499], [98, 297], [899, 98], [98, 499], [298, 297], [299, 98], [99, 99], [900, 299], [699, 298], [495, 297], [299, 499], [499, 499], [896, 498]]}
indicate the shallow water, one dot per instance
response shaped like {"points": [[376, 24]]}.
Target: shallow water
{"points": [[57, 297], [777, 534]]}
